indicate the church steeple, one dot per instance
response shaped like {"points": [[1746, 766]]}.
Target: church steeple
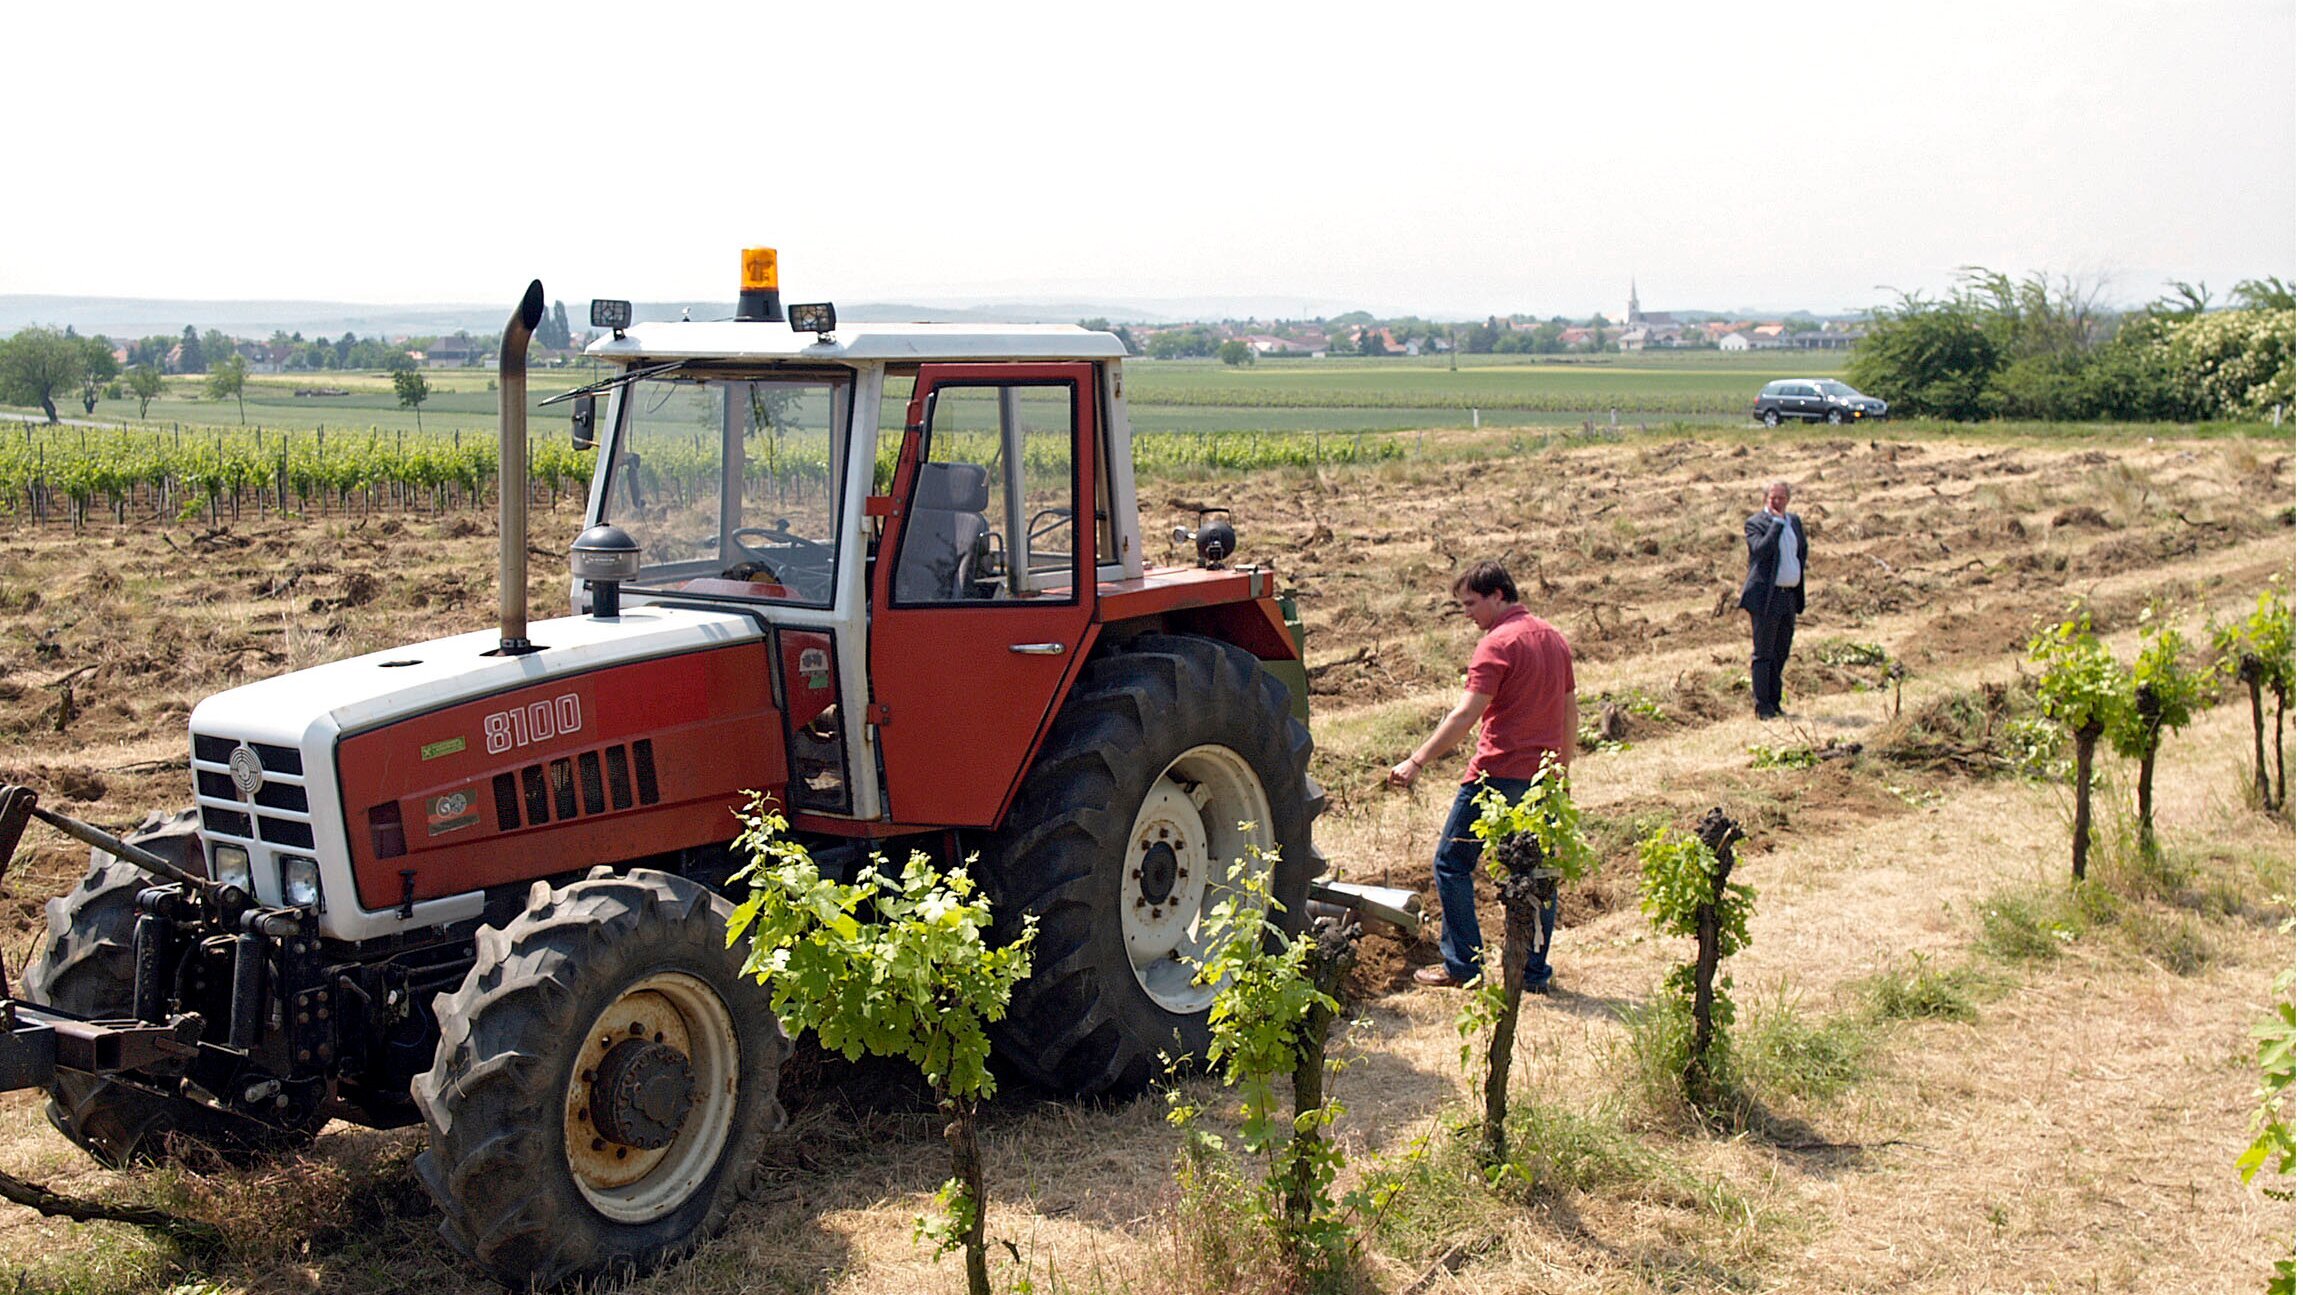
{"points": [[1631, 313]]}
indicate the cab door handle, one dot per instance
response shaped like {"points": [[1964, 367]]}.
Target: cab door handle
{"points": [[1037, 649]]}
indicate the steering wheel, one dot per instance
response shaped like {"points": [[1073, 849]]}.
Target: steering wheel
{"points": [[798, 563]]}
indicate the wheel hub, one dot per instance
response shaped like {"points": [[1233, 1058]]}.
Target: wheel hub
{"points": [[649, 1097], [1168, 874], [1156, 873], [1204, 811], [641, 1094]]}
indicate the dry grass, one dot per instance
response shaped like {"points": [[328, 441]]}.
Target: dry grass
{"points": [[2073, 1129]]}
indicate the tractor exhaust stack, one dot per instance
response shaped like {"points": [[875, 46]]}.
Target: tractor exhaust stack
{"points": [[512, 471]]}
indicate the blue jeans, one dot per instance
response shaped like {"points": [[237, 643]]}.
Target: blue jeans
{"points": [[1451, 868]]}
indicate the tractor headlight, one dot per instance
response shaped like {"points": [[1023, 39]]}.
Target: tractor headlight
{"points": [[231, 864], [300, 881]]}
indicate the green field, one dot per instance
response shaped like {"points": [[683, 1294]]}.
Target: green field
{"points": [[1349, 394], [1353, 393]]}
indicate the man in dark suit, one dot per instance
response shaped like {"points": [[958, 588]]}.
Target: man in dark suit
{"points": [[1774, 592]]}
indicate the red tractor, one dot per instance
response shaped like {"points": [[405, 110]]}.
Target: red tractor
{"points": [[890, 575]]}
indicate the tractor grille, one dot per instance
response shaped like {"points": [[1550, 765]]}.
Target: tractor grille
{"points": [[588, 784], [280, 812]]}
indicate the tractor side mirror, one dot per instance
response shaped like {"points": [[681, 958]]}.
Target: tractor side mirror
{"points": [[581, 419]]}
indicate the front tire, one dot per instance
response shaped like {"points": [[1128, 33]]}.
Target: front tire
{"points": [[1120, 841], [1835, 418], [87, 966], [605, 1083]]}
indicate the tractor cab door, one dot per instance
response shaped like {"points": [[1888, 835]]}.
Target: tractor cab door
{"points": [[984, 584]]}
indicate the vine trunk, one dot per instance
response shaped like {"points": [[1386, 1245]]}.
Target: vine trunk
{"points": [[2082, 817], [968, 1169], [2252, 671], [1334, 949], [1719, 834], [1522, 903]]}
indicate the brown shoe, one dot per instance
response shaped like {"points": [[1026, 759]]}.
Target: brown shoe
{"points": [[1439, 976]]}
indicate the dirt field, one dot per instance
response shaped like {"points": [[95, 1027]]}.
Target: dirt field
{"points": [[2076, 1134]]}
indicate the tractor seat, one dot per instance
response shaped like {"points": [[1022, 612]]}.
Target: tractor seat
{"points": [[947, 537]]}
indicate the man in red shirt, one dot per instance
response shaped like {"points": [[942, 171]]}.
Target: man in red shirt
{"points": [[1520, 691]]}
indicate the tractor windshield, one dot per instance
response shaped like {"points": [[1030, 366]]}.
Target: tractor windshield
{"points": [[730, 484]]}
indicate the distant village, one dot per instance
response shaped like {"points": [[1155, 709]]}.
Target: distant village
{"points": [[1234, 341], [1243, 341]]}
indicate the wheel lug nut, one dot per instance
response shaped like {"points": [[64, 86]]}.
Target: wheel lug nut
{"points": [[599, 1144], [636, 1027]]}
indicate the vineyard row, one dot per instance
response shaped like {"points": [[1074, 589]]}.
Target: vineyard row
{"points": [[66, 474]]}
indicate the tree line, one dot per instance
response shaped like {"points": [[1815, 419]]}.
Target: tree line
{"points": [[2040, 348], [41, 365]]}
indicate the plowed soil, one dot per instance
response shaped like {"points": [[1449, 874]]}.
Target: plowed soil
{"points": [[2077, 1134]]}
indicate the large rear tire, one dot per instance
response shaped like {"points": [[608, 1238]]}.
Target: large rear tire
{"points": [[87, 966], [605, 1083], [1120, 841]]}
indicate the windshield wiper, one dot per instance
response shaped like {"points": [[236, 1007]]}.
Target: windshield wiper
{"points": [[625, 378]]}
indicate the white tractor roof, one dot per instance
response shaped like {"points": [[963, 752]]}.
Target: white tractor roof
{"points": [[728, 339]]}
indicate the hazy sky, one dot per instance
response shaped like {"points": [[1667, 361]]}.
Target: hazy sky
{"points": [[1450, 159]]}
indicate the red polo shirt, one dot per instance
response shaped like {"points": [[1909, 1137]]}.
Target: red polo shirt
{"points": [[1524, 667]]}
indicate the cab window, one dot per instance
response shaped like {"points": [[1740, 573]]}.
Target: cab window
{"points": [[991, 517], [730, 484]]}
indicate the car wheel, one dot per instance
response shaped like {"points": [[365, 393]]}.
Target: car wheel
{"points": [[1835, 418], [1771, 418]]}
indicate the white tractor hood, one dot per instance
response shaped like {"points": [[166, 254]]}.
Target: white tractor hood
{"points": [[349, 695]]}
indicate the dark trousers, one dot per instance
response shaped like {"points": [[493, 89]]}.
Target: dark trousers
{"points": [[1770, 648], [1451, 868]]}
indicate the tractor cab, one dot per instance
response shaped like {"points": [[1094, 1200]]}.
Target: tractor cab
{"points": [[890, 575], [918, 516]]}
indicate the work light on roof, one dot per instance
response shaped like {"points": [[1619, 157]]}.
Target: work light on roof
{"points": [[611, 314], [818, 318]]}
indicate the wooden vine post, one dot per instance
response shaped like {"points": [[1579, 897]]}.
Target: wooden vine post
{"points": [[1719, 833]]}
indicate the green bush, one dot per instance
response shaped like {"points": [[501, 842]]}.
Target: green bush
{"points": [[2274, 1144], [1918, 991], [2020, 925], [1782, 1051], [1684, 891], [893, 966], [2000, 347]]}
